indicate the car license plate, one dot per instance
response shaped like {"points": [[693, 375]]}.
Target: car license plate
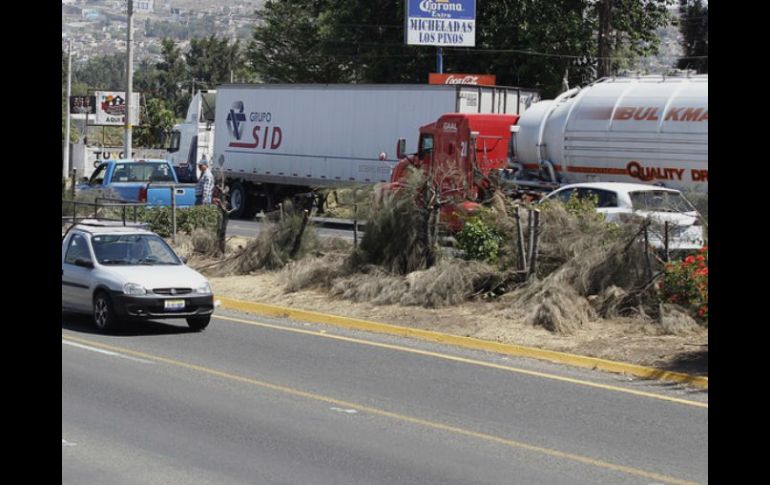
{"points": [[174, 304]]}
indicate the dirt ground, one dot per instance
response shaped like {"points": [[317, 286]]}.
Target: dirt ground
{"points": [[634, 341], [624, 340]]}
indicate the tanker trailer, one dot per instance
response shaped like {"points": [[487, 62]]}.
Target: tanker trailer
{"points": [[652, 129]]}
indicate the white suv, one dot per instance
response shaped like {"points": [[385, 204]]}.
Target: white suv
{"points": [[118, 272], [625, 202]]}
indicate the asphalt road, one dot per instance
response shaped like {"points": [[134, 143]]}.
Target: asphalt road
{"points": [[244, 228], [262, 400]]}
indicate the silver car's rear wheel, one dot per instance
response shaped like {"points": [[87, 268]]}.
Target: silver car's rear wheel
{"points": [[104, 316]]}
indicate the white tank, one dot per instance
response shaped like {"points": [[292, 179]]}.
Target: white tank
{"points": [[650, 129]]}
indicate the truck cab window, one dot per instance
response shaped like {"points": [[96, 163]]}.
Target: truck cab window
{"points": [[175, 139], [98, 176], [426, 144]]}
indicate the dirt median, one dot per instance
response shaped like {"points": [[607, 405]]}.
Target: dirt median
{"points": [[627, 340]]}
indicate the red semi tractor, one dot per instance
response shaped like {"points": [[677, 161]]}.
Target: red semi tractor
{"points": [[458, 153]]}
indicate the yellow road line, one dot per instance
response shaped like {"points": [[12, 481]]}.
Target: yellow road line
{"points": [[469, 361], [401, 417], [466, 342]]}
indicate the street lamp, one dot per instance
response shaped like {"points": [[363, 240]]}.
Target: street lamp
{"points": [[129, 76], [66, 160], [191, 82]]}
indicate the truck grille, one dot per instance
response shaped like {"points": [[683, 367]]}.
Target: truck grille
{"points": [[172, 291]]}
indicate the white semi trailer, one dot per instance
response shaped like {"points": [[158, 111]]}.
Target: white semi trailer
{"points": [[273, 141]]}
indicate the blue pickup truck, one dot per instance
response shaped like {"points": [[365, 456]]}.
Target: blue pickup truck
{"points": [[147, 181]]}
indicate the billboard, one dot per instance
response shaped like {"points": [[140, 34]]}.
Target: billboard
{"points": [[475, 79], [111, 108], [82, 105], [443, 23]]}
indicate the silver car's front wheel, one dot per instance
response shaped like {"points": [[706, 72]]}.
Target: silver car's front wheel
{"points": [[104, 317]]}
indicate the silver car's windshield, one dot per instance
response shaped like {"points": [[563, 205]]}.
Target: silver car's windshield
{"points": [[133, 249]]}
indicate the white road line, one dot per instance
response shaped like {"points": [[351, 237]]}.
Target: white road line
{"points": [[343, 410], [107, 352]]}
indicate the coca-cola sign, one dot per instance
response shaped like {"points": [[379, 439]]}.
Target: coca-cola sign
{"points": [[473, 79]]}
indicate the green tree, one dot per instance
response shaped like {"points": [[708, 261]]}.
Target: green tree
{"points": [[107, 72], [211, 60], [626, 28], [172, 72], [288, 43], [532, 43], [367, 39], [157, 121], [694, 26], [364, 42], [148, 79]]}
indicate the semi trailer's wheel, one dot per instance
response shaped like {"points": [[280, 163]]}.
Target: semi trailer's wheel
{"points": [[239, 200]]}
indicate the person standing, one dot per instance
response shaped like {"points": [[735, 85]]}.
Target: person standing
{"points": [[205, 185]]}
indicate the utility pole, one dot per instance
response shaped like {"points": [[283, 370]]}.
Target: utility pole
{"points": [[66, 160], [129, 77]]}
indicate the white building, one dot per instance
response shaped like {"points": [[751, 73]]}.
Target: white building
{"points": [[144, 6], [140, 6]]}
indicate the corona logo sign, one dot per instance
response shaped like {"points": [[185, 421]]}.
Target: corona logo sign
{"points": [[440, 5]]}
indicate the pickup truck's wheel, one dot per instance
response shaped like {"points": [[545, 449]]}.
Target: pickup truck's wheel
{"points": [[239, 200], [104, 314], [198, 323]]}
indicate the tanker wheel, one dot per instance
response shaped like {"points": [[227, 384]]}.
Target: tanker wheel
{"points": [[239, 200]]}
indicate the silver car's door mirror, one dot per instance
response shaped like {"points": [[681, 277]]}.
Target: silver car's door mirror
{"points": [[84, 263]]}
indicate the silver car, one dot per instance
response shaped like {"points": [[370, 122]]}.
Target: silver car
{"points": [[117, 272]]}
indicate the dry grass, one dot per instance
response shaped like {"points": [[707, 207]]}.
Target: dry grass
{"points": [[183, 246], [676, 321], [204, 242], [552, 303], [272, 248], [398, 234], [350, 202], [450, 282], [85, 207], [582, 259], [313, 273], [587, 269]]}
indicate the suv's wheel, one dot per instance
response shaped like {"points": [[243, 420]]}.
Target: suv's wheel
{"points": [[104, 316], [198, 323]]}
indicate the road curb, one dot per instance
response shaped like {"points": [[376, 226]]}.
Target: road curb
{"points": [[466, 342]]}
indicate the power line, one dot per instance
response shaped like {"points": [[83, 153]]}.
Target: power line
{"points": [[467, 51]]}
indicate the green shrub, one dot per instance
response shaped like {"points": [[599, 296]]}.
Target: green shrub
{"points": [[479, 241], [188, 219]]}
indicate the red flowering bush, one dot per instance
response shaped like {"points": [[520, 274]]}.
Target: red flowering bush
{"points": [[686, 283]]}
